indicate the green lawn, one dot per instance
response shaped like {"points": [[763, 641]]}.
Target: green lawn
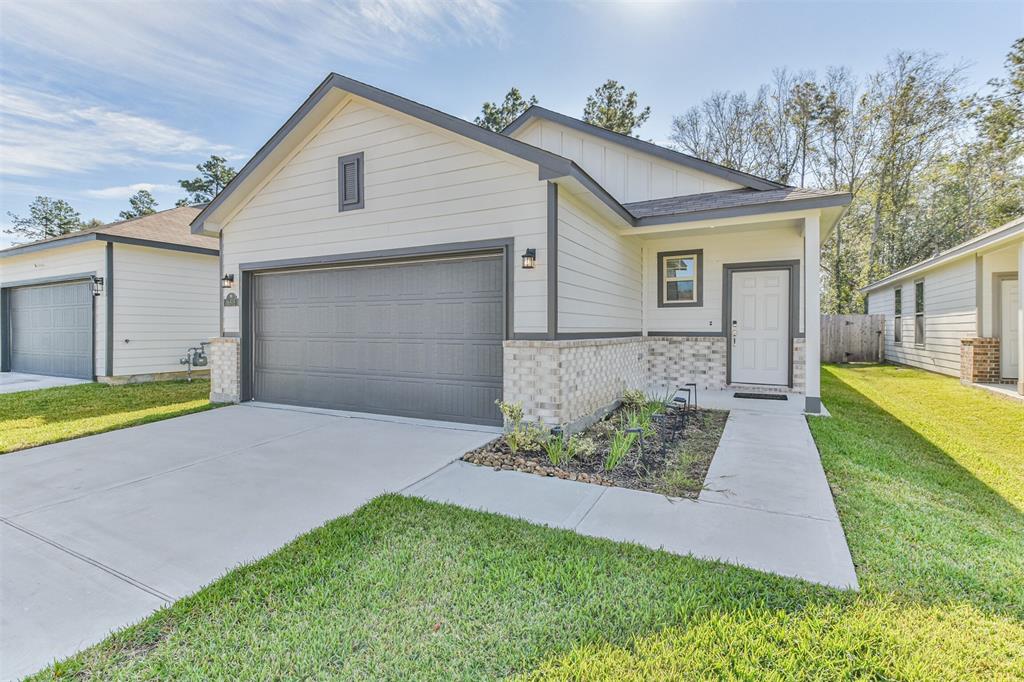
{"points": [[405, 589], [49, 415]]}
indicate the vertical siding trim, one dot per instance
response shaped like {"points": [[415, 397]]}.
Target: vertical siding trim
{"points": [[220, 275], [6, 333], [552, 260], [979, 294], [109, 290]]}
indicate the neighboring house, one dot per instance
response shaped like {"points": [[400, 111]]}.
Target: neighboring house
{"points": [[959, 313], [392, 258], [121, 302]]}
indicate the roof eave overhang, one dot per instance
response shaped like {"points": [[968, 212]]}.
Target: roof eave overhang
{"points": [[775, 209], [112, 238], [994, 241]]}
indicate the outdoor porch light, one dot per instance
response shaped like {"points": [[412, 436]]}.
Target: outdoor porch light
{"points": [[530, 259], [228, 281], [97, 285]]}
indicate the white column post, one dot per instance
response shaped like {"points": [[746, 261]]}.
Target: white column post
{"points": [[812, 313], [1020, 318]]}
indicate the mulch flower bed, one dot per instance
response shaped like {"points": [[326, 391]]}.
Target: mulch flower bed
{"points": [[668, 461]]}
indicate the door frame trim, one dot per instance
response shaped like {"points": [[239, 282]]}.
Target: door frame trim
{"points": [[728, 269], [7, 328], [247, 368], [997, 310]]}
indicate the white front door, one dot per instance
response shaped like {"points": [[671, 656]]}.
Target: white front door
{"points": [[1008, 328], [760, 327]]}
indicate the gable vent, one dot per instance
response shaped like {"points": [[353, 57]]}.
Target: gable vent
{"points": [[350, 182]]}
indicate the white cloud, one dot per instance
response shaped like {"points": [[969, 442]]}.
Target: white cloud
{"points": [[125, 191], [249, 51], [43, 133]]}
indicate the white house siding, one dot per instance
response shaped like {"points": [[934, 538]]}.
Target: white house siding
{"points": [[423, 186], [598, 274], [59, 261], [164, 302], [1002, 261], [627, 174], [768, 244], [949, 313]]}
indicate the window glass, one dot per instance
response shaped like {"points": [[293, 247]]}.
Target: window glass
{"points": [[679, 284]]}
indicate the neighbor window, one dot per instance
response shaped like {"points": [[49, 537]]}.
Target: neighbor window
{"points": [[898, 316], [350, 182], [680, 274], [919, 313]]}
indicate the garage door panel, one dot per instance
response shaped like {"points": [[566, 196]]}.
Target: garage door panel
{"points": [[416, 339], [51, 329]]}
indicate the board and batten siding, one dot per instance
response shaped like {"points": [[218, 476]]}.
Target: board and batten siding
{"points": [[164, 303], [627, 174], [422, 186], [57, 262], [598, 274], [768, 244], [949, 316]]}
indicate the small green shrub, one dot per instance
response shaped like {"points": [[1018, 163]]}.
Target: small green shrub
{"points": [[581, 446], [520, 435], [639, 419], [557, 449], [621, 444], [634, 399]]}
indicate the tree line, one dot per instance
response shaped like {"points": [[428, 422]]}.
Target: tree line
{"points": [[49, 217]]}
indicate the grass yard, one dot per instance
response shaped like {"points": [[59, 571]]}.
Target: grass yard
{"points": [[50, 415], [927, 476]]}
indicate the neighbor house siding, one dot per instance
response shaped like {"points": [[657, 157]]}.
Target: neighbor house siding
{"points": [[627, 174], [60, 261], [165, 302], [769, 244], [423, 186], [949, 316], [598, 274]]}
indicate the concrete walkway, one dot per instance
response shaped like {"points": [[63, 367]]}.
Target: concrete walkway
{"points": [[12, 382], [767, 504]]}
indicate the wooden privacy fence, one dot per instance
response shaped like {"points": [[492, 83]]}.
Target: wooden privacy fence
{"points": [[852, 338]]}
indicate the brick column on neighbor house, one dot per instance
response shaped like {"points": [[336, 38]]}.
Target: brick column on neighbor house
{"points": [[979, 361], [224, 370]]}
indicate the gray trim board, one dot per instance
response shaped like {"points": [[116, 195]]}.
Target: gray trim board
{"points": [[108, 292], [220, 277], [7, 330], [639, 145], [979, 303], [245, 368], [698, 280], [793, 266], [48, 280], [109, 238], [552, 269], [696, 335]]}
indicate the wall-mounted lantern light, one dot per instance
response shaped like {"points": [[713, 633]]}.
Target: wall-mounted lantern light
{"points": [[228, 281], [530, 259], [97, 285]]}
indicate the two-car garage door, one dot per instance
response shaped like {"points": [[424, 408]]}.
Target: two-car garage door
{"points": [[50, 329], [416, 338]]}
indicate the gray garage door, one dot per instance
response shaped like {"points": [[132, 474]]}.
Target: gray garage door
{"points": [[417, 339], [51, 329]]}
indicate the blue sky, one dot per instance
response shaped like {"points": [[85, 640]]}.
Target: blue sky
{"points": [[97, 99]]}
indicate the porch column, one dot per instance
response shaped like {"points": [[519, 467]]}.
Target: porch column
{"points": [[1020, 318], [812, 313]]}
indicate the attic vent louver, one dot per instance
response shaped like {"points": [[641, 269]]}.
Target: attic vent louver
{"points": [[350, 182]]}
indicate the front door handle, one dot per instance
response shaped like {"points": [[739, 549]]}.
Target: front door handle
{"points": [[734, 332]]}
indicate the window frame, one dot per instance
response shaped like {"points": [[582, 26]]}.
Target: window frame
{"points": [[358, 158], [897, 329], [698, 279], [919, 313]]}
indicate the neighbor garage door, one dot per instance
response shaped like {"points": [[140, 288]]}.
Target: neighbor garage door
{"points": [[417, 339], [51, 329]]}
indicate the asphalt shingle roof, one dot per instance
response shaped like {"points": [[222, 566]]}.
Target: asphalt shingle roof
{"points": [[711, 201]]}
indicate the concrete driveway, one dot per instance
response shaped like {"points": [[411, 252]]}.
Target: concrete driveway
{"points": [[98, 532], [12, 382]]}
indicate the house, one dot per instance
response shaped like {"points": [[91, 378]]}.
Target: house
{"points": [[390, 258], [959, 313], [121, 302]]}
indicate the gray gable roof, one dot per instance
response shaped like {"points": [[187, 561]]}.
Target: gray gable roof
{"points": [[739, 177], [732, 203]]}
